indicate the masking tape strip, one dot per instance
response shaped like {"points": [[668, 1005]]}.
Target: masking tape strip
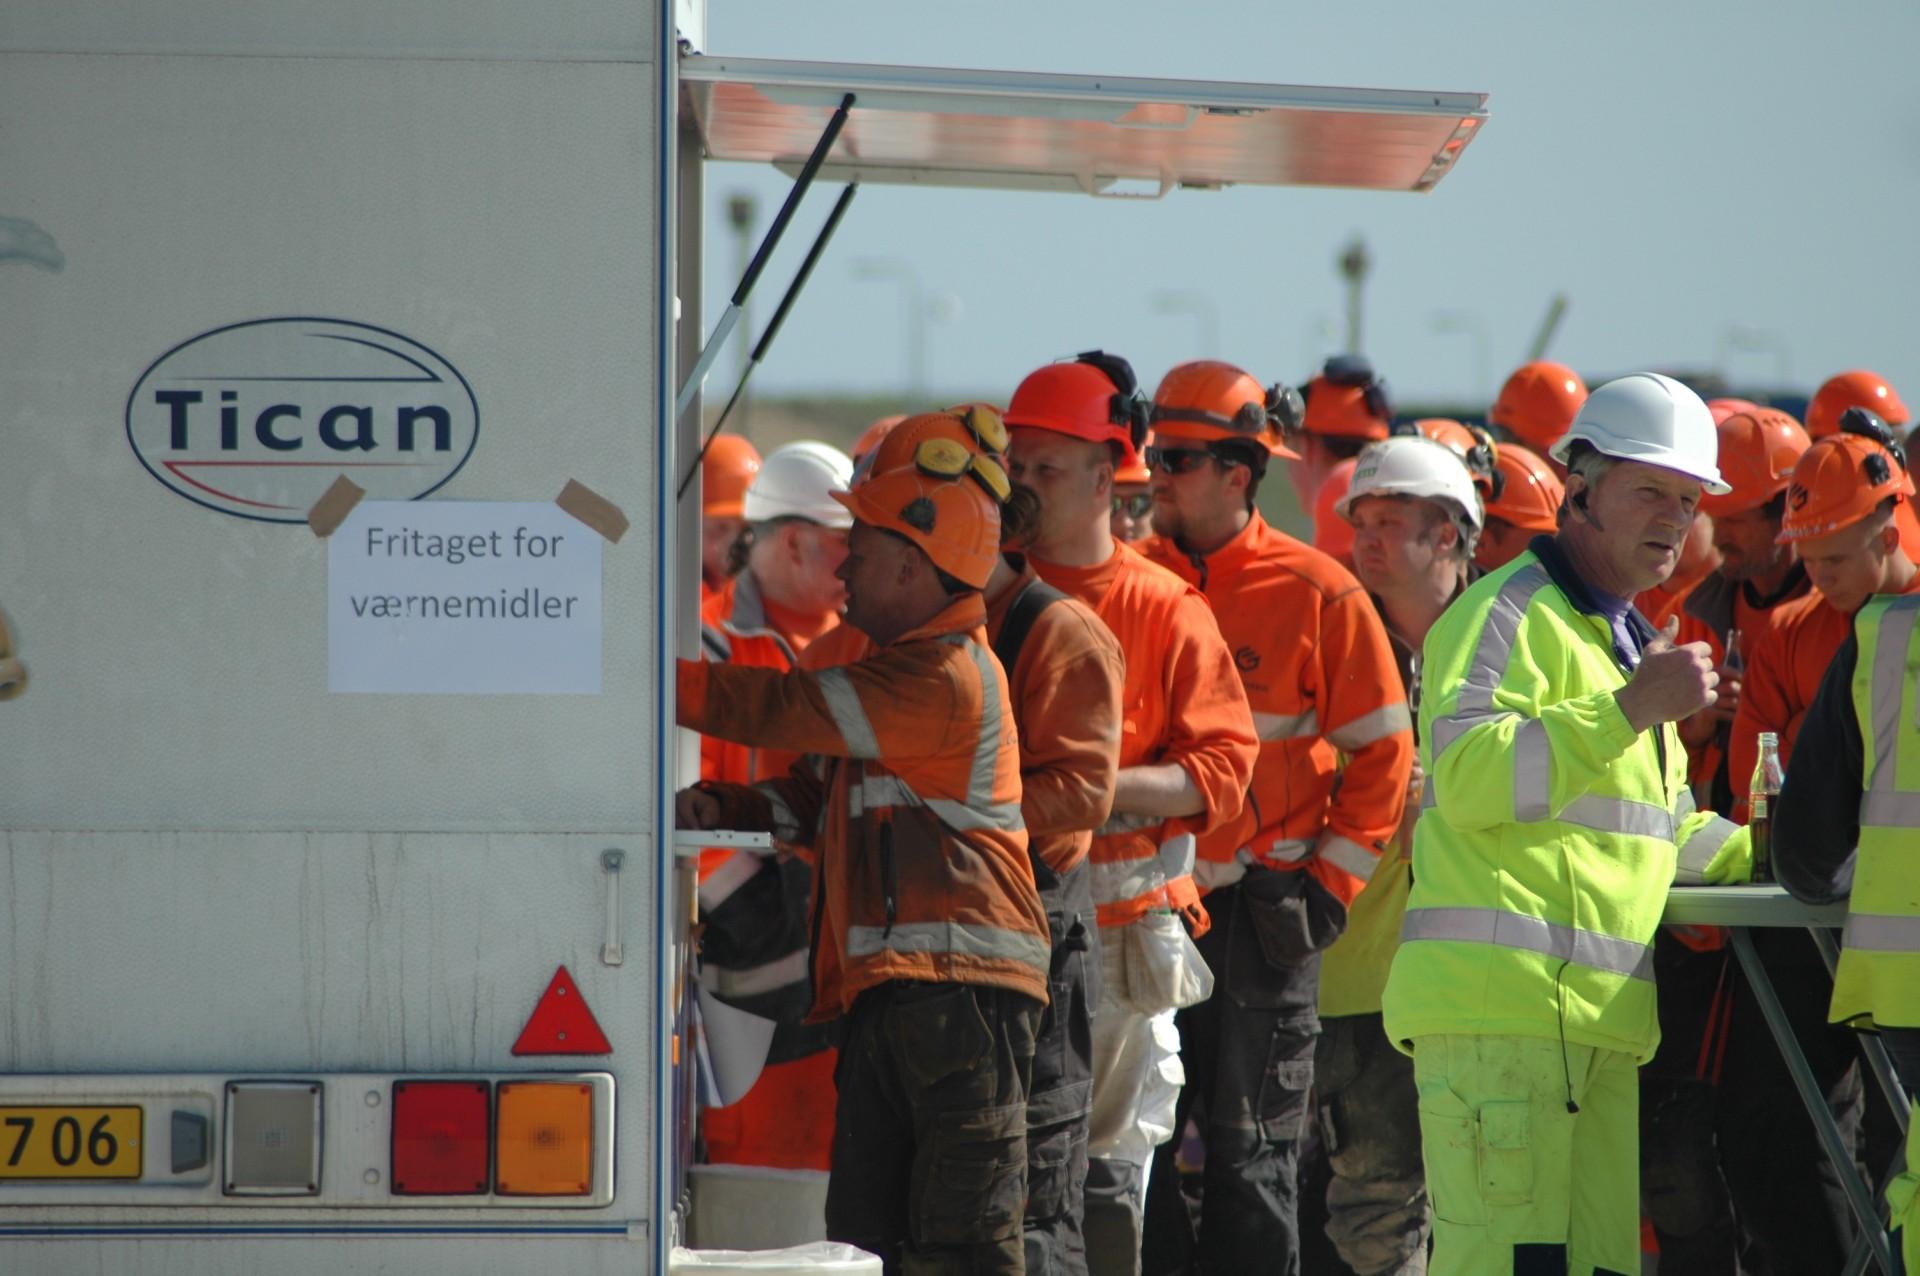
{"points": [[593, 509], [334, 505]]}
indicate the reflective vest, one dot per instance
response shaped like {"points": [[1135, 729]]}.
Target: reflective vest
{"points": [[1336, 741], [911, 802], [1878, 980], [1550, 830]]}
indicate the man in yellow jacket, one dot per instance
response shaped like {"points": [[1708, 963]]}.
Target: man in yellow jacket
{"points": [[1557, 815], [1848, 823]]}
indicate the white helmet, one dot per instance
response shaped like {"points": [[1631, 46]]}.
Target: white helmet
{"points": [[1412, 465], [796, 481], [1652, 419]]}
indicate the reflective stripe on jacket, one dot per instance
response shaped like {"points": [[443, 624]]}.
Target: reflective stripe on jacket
{"points": [[921, 855], [1321, 681], [1550, 831], [1182, 704], [1878, 979]]}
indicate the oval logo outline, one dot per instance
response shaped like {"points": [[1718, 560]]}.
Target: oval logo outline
{"points": [[189, 409]]}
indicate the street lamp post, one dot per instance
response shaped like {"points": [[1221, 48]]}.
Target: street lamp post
{"points": [[1354, 263], [743, 209]]}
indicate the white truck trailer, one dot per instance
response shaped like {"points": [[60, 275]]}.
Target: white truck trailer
{"points": [[344, 928]]}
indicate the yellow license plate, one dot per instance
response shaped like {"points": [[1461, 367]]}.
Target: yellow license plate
{"points": [[47, 1142]]}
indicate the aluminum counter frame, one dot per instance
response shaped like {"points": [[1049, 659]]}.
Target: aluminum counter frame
{"points": [[1740, 909]]}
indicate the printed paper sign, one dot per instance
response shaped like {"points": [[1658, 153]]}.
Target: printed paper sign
{"points": [[467, 597]]}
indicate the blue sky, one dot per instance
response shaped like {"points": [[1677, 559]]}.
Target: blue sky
{"points": [[1679, 170]]}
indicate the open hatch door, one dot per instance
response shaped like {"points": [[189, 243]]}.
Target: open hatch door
{"points": [[1114, 137]]}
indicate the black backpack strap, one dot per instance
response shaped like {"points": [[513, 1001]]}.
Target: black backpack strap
{"points": [[1034, 599]]}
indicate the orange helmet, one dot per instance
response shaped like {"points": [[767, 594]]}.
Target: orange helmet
{"points": [[1135, 473], [725, 474], [1094, 397], [1526, 491], [1856, 389], [1844, 477], [1758, 450], [1475, 448], [932, 503], [1331, 533], [1206, 401], [1538, 403], [871, 436], [1724, 408], [1347, 400]]}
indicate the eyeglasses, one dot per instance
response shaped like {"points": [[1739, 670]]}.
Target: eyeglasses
{"points": [[944, 458], [1177, 460], [1136, 506]]}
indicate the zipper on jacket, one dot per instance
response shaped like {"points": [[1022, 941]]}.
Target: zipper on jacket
{"points": [[1199, 562], [888, 886]]}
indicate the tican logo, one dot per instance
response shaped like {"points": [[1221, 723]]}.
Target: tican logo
{"points": [[258, 419], [1797, 496], [1246, 659]]}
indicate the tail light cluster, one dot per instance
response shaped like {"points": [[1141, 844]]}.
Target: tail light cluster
{"points": [[511, 1138]]}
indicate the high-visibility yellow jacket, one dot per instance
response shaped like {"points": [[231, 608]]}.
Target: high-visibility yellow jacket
{"points": [[1551, 830], [1878, 980]]}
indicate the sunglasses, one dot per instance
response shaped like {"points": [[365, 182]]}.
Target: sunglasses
{"points": [[1175, 460], [1135, 507]]}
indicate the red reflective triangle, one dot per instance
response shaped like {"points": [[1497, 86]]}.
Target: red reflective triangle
{"points": [[561, 1023]]}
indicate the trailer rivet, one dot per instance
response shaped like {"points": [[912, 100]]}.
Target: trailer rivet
{"points": [[370, 1177], [373, 1098]]}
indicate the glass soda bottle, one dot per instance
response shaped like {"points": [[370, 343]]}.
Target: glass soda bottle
{"points": [[1762, 796]]}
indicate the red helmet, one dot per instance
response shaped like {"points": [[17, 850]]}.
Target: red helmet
{"points": [[1094, 397], [1758, 450], [1538, 403], [1844, 477], [1856, 389], [726, 472], [1207, 401], [1347, 400], [1526, 491]]}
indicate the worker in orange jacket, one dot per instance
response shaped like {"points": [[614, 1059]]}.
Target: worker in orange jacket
{"points": [[1839, 515], [1187, 749], [1695, 1091], [1132, 503], [928, 931], [725, 473], [1320, 679], [793, 536], [1064, 671]]}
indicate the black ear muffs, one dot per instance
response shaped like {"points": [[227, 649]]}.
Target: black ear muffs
{"points": [[1869, 424], [1357, 370], [1128, 406]]}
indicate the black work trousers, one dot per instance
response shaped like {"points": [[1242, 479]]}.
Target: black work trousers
{"points": [[1061, 1095], [930, 1134], [1248, 1054]]}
